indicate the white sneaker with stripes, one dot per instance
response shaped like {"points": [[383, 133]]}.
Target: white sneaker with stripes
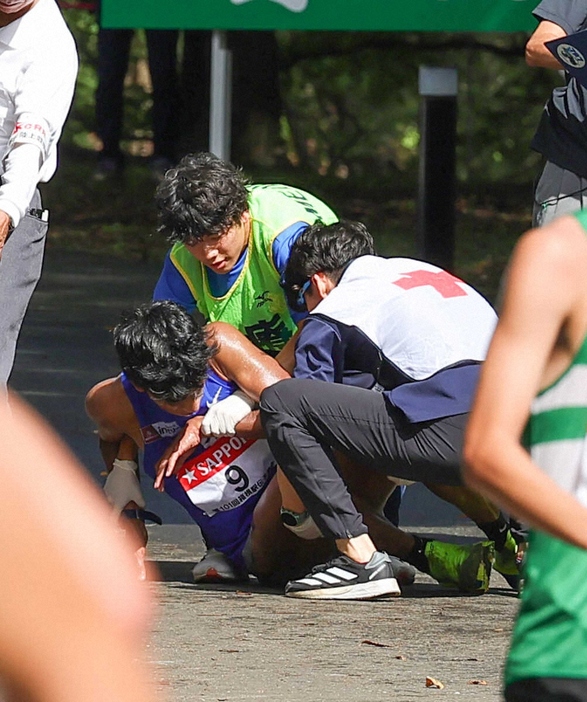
{"points": [[345, 579]]}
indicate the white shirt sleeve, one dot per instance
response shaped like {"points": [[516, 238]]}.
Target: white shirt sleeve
{"points": [[41, 103]]}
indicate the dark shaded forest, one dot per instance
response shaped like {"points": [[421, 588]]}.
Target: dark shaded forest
{"points": [[335, 113]]}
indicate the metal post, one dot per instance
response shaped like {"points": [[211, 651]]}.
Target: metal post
{"points": [[220, 96], [437, 176]]}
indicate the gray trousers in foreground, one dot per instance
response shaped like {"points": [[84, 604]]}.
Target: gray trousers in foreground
{"points": [[558, 192], [20, 270], [305, 419]]}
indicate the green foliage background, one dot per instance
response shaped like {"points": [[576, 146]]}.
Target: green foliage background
{"points": [[348, 131]]}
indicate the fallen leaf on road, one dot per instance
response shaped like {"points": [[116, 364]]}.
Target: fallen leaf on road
{"points": [[477, 682], [431, 682]]}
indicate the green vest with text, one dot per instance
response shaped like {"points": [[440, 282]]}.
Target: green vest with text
{"points": [[256, 304]]}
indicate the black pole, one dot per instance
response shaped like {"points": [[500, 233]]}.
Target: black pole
{"points": [[437, 176]]}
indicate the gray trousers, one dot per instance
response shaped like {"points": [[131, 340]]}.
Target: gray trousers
{"points": [[558, 192], [305, 419], [20, 270]]}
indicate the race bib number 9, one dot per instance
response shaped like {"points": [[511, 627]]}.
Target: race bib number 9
{"points": [[226, 474]]}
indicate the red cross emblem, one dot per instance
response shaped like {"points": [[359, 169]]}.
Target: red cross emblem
{"points": [[443, 282]]}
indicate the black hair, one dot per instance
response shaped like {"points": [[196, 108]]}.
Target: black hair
{"points": [[202, 195], [324, 249], [163, 350]]}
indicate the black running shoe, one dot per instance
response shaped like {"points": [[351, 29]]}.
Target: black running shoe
{"points": [[344, 579], [404, 573]]}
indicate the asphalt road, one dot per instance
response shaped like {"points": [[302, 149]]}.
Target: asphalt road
{"points": [[215, 644]]}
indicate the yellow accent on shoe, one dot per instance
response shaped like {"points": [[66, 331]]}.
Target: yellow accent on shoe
{"points": [[467, 568], [508, 561]]}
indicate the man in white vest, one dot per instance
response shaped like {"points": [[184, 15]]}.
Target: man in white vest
{"points": [[412, 337]]}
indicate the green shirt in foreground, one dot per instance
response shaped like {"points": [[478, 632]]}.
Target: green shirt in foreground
{"points": [[550, 634]]}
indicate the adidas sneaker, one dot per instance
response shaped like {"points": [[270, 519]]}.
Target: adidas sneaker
{"points": [[345, 579]]}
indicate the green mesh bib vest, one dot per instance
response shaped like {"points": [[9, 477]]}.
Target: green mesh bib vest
{"points": [[256, 304]]}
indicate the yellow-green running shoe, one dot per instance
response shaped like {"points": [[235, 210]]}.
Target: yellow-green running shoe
{"points": [[467, 568], [508, 561]]}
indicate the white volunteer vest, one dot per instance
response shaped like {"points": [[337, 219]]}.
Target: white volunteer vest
{"points": [[421, 317]]}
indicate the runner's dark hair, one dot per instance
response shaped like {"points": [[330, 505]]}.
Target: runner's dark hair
{"points": [[163, 350], [203, 195], [324, 248]]}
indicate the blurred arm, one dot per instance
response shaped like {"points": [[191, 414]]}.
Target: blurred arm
{"points": [[545, 282], [80, 625]]}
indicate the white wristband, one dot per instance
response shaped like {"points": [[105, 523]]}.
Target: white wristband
{"points": [[221, 419], [122, 485], [301, 524]]}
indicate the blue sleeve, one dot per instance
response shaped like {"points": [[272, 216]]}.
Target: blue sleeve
{"points": [[319, 352], [571, 15], [283, 242], [171, 286], [281, 250]]}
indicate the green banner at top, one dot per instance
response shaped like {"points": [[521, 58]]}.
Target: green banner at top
{"points": [[358, 15]]}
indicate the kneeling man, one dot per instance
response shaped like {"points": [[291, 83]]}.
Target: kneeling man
{"points": [[413, 337]]}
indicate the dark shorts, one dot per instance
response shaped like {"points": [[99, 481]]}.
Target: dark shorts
{"points": [[547, 690]]}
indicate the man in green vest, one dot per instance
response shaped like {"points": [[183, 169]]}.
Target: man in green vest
{"points": [[230, 245]]}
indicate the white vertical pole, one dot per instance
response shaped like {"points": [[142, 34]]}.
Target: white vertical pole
{"points": [[220, 96]]}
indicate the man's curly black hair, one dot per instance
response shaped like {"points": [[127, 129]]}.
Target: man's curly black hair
{"points": [[324, 248], [163, 350], [202, 195]]}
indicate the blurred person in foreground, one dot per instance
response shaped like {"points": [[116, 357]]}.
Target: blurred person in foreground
{"points": [[38, 68], [72, 614], [525, 448]]}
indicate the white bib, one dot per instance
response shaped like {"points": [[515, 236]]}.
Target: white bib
{"points": [[226, 474]]}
